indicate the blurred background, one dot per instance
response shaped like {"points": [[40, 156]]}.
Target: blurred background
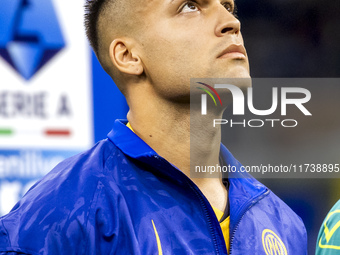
{"points": [[56, 101], [295, 39]]}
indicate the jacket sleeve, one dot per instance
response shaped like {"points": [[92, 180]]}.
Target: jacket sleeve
{"points": [[71, 209]]}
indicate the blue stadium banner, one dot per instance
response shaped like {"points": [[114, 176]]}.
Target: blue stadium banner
{"points": [[46, 105]]}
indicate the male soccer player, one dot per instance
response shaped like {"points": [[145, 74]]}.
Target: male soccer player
{"points": [[328, 242], [132, 193]]}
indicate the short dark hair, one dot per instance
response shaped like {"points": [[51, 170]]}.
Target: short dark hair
{"points": [[93, 8]]}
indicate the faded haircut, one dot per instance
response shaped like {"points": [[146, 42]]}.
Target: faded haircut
{"points": [[93, 9]]}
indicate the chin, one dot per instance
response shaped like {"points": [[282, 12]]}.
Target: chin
{"points": [[243, 82], [232, 71], [239, 72], [240, 78]]}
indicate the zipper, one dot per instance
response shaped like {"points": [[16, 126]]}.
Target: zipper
{"points": [[252, 203], [205, 210], [201, 199]]}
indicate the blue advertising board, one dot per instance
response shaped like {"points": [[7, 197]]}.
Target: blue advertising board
{"points": [[52, 90]]}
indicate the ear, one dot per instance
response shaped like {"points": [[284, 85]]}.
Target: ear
{"points": [[124, 59]]}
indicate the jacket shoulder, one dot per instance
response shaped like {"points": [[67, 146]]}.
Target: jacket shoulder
{"points": [[271, 221], [54, 214]]}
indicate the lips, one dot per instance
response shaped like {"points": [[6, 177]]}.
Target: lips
{"points": [[234, 51]]}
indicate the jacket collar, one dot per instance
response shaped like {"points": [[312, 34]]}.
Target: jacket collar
{"points": [[244, 190], [128, 142]]}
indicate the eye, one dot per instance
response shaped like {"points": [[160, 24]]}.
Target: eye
{"points": [[189, 6], [230, 8]]}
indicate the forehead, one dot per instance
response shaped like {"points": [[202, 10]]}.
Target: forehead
{"points": [[150, 6], [139, 15]]}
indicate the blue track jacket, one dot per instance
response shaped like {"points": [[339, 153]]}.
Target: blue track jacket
{"points": [[121, 197]]}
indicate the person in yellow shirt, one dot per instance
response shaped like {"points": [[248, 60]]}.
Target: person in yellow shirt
{"points": [[328, 242]]}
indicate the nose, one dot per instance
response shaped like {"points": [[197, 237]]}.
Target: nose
{"points": [[227, 23]]}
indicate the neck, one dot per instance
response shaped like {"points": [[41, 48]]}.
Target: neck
{"points": [[175, 131], [178, 133]]}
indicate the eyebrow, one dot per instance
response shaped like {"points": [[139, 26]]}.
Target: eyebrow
{"points": [[233, 1]]}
